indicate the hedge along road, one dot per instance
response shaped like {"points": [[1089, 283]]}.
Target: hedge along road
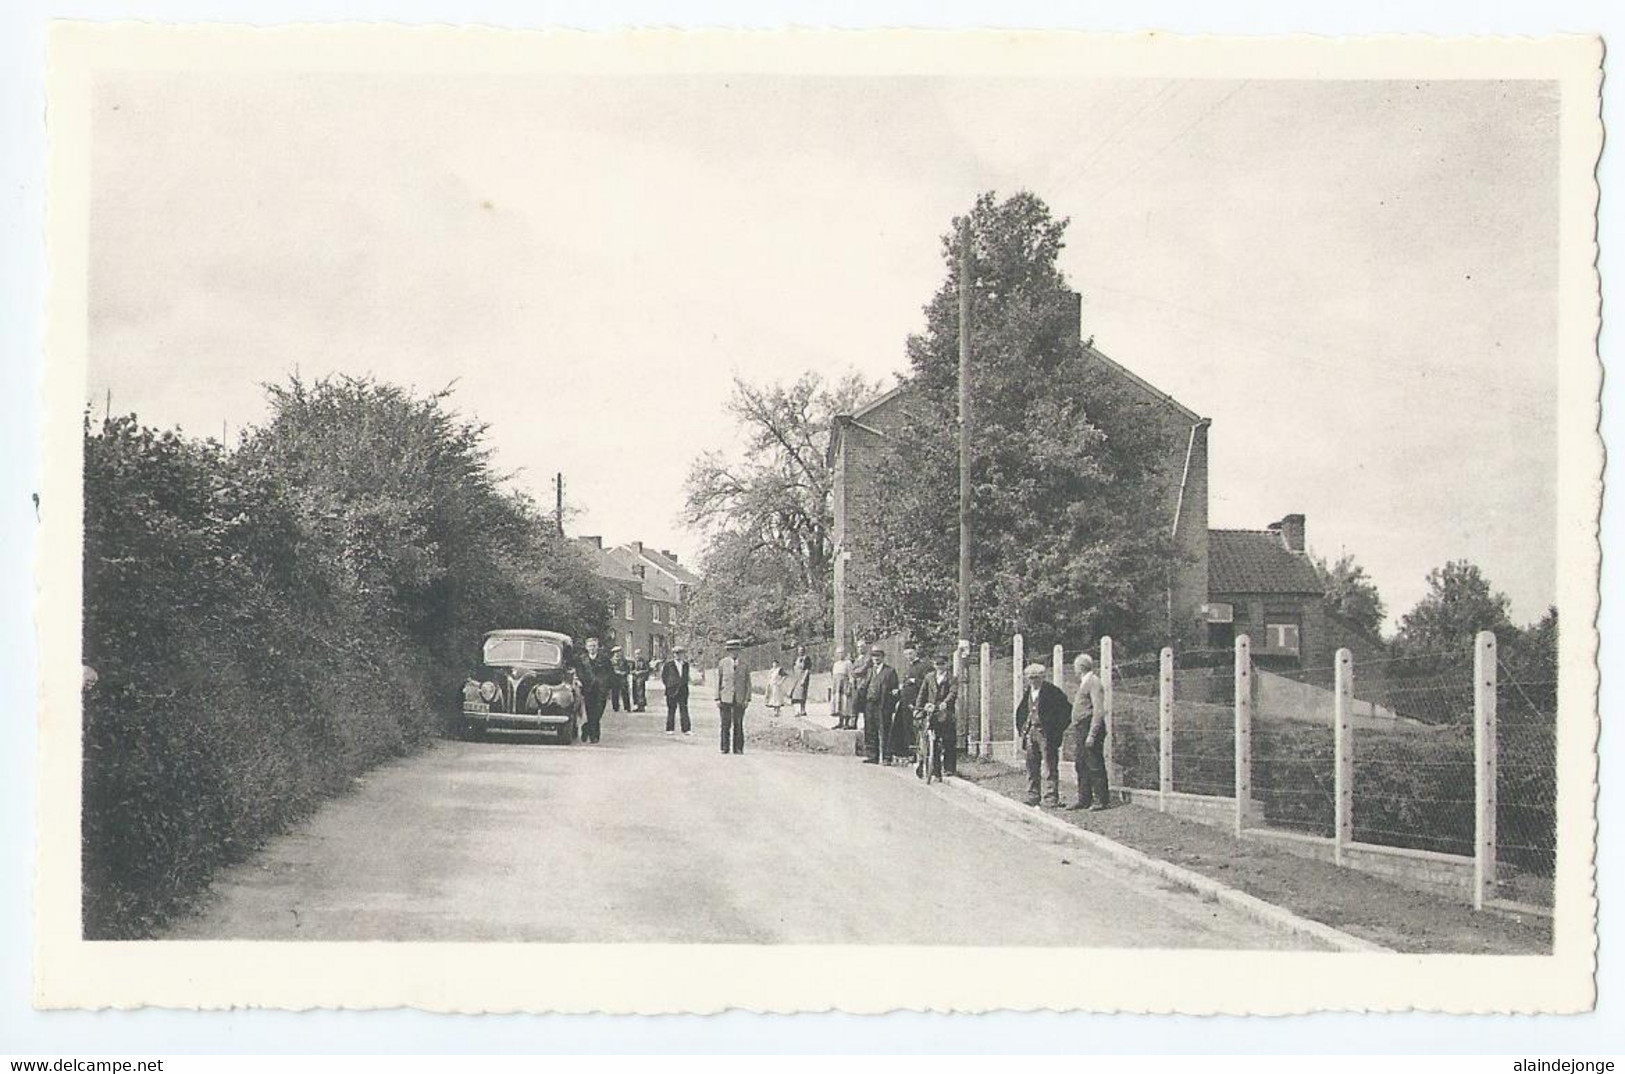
{"points": [[653, 839]]}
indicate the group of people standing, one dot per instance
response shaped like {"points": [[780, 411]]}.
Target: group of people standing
{"points": [[1044, 715], [899, 709], [609, 679], [629, 681], [790, 687]]}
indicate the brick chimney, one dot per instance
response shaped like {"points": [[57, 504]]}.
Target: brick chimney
{"points": [[595, 541], [1291, 528], [637, 547], [1074, 312]]}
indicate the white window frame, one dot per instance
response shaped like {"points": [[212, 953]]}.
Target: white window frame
{"points": [[1279, 634], [654, 611], [628, 611]]}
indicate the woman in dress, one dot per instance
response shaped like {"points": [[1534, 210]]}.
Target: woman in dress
{"points": [[775, 688], [840, 674], [801, 680]]}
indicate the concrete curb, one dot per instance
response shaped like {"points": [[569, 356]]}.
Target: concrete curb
{"points": [[1265, 912]]}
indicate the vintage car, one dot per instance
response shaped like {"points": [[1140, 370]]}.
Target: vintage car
{"points": [[525, 681]]}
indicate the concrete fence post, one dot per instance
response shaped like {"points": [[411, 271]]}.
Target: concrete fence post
{"points": [[1114, 777], [1244, 731], [985, 696], [1165, 729], [1343, 754], [1058, 666], [1484, 774], [1018, 651]]}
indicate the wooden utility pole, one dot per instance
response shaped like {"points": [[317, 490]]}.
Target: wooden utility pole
{"points": [[558, 502], [964, 426]]}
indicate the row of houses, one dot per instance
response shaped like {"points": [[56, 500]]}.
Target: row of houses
{"points": [[652, 589], [1226, 582]]}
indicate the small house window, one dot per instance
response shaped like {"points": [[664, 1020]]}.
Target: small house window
{"points": [[627, 610], [1282, 637], [654, 612]]}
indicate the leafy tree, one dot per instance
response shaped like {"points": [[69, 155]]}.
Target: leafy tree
{"points": [[1352, 594], [1459, 603], [769, 513], [1067, 541]]}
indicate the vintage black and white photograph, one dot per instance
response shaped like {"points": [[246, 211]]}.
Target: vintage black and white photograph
{"points": [[970, 502]]}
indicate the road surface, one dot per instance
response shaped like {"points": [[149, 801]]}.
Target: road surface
{"points": [[647, 838]]}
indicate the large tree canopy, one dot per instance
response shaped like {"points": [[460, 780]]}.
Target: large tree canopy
{"points": [[768, 512], [1069, 538], [1459, 603]]}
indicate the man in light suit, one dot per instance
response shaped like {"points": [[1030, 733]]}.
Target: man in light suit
{"points": [[674, 676], [733, 696]]}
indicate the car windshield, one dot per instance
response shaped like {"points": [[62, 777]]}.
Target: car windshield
{"points": [[500, 651]]}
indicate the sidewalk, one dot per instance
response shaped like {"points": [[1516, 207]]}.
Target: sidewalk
{"points": [[1357, 903]]}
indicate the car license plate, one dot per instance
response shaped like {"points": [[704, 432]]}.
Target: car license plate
{"points": [[476, 706]]}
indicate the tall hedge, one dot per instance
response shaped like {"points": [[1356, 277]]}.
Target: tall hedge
{"points": [[268, 621]]}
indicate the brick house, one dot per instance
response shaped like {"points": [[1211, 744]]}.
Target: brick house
{"points": [[1262, 583], [651, 590], [857, 444]]}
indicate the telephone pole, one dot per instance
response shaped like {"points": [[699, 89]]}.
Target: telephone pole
{"points": [[964, 426], [558, 502]]}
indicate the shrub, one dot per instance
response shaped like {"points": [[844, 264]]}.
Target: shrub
{"points": [[270, 621]]}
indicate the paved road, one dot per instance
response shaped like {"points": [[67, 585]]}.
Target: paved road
{"points": [[655, 839]]}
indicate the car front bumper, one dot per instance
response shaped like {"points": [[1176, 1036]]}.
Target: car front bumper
{"points": [[517, 721]]}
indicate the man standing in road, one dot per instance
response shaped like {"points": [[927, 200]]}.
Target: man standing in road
{"points": [[674, 677], [1089, 731], [879, 708], [640, 681], [733, 697], [618, 698], [596, 676], [1041, 719]]}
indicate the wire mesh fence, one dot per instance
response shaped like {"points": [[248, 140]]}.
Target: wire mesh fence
{"points": [[1414, 766], [1526, 782], [1135, 722], [1204, 722], [1294, 769]]}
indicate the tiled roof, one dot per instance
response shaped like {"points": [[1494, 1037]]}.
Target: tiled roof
{"points": [[604, 564], [667, 563], [1257, 561]]}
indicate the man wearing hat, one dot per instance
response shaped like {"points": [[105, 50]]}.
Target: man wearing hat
{"points": [[674, 677], [733, 696], [1041, 719], [879, 707], [618, 697]]}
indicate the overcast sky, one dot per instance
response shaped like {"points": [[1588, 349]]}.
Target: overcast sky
{"points": [[1355, 281]]}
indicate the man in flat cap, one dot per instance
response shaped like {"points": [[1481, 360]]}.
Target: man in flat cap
{"points": [[879, 708], [733, 696], [1041, 719]]}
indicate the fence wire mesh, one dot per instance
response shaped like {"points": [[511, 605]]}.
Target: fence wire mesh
{"points": [[1134, 721], [1294, 772], [1204, 722], [1413, 754], [1526, 783]]}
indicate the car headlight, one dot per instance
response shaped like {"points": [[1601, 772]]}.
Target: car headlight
{"points": [[488, 691], [540, 696]]}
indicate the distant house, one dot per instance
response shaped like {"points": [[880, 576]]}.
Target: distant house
{"points": [[650, 608], [858, 444], [1262, 583]]}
